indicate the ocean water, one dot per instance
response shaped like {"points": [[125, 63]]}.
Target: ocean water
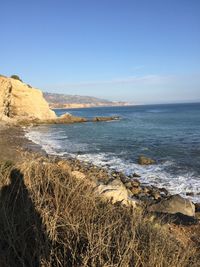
{"points": [[170, 134]]}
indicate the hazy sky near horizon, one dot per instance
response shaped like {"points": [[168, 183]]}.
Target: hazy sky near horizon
{"points": [[132, 50]]}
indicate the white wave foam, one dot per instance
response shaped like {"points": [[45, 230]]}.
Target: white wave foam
{"points": [[55, 143], [51, 146], [152, 174]]}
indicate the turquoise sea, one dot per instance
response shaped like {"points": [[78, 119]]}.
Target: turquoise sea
{"points": [[170, 134]]}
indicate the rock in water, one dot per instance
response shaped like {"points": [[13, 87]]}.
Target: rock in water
{"points": [[19, 101], [174, 204], [69, 118], [112, 118], [136, 175], [145, 161]]}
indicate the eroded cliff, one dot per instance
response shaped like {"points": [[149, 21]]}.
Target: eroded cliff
{"points": [[19, 101]]}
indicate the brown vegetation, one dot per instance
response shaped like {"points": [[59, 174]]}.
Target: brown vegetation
{"points": [[48, 218]]}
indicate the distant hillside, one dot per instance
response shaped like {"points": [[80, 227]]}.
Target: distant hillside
{"points": [[76, 101]]}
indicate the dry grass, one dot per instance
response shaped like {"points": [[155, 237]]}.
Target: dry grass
{"points": [[50, 219]]}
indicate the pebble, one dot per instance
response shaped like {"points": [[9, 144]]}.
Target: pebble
{"points": [[156, 195], [136, 190], [128, 185], [191, 194], [135, 183]]}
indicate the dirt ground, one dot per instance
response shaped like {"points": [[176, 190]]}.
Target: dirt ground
{"points": [[13, 142]]}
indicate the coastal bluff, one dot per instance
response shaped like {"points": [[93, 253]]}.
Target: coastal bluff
{"points": [[24, 105], [19, 101]]}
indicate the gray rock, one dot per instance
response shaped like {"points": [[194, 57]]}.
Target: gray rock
{"points": [[190, 194], [164, 191], [124, 178], [136, 175], [145, 198], [174, 204]]}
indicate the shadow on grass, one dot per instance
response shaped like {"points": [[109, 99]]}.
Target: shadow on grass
{"points": [[23, 240]]}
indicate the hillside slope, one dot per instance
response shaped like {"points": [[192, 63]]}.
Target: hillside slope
{"points": [[76, 101]]}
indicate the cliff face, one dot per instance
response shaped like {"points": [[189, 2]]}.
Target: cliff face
{"points": [[18, 101]]}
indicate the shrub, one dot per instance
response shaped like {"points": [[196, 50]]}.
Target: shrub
{"points": [[16, 77]]}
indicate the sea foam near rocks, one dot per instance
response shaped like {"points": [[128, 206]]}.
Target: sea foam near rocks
{"points": [[58, 144]]}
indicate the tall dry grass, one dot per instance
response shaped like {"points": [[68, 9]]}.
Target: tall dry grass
{"points": [[48, 218]]}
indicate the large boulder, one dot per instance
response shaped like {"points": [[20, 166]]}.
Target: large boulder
{"points": [[18, 101], [174, 204], [115, 192]]}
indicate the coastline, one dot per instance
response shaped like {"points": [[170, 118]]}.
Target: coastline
{"points": [[84, 106], [96, 182], [14, 143]]}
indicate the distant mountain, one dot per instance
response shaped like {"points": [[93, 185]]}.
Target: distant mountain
{"points": [[76, 101]]}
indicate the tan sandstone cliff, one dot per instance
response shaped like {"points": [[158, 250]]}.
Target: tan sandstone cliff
{"points": [[19, 101]]}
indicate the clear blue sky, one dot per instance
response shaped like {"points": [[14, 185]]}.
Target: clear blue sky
{"points": [[145, 51]]}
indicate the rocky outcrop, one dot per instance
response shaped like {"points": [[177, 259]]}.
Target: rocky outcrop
{"points": [[19, 101], [174, 204], [69, 118], [96, 119], [145, 160]]}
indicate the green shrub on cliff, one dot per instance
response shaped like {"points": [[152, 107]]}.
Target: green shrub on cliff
{"points": [[16, 77]]}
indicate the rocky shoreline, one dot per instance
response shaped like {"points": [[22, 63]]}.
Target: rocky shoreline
{"points": [[127, 189], [111, 186], [66, 118]]}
